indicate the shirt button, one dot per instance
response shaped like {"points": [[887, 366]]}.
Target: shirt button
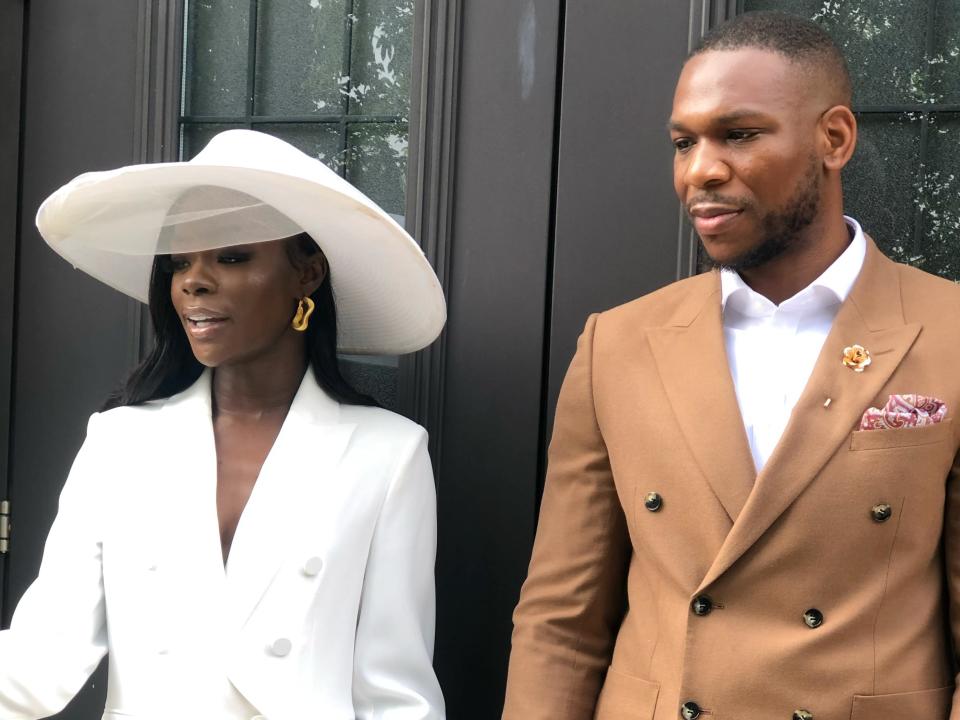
{"points": [[701, 605], [653, 502], [313, 566], [690, 710], [813, 618], [881, 513], [281, 647], [802, 715]]}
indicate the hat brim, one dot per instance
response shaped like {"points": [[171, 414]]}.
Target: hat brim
{"points": [[388, 298]]}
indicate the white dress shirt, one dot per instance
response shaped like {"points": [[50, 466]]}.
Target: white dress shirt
{"points": [[772, 349]]}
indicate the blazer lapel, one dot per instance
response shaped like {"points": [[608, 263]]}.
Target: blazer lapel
{"points": [[691, 358], [872, 316], [297, 471]]}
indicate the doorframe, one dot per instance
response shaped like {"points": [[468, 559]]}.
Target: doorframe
{"points": [[11, 91], [431, 165]]}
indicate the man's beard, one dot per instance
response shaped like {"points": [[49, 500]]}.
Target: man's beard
{"points": [[781, 230]]}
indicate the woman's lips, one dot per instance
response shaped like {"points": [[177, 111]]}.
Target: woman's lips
{"points": [[205, 327]]}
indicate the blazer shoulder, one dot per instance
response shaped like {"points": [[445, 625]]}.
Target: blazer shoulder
{"points": [[677, 302], [377, 422], [928, 298]]}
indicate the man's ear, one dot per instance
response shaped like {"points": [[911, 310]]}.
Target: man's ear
{"points": [[838, 131], [313, 271]]}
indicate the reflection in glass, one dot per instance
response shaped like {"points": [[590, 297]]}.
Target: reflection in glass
{"points": [[318, 140], [380, 67], [300, 57], [877, 181], [883, 41], [377, 163], [215, 57], [937, 199]]}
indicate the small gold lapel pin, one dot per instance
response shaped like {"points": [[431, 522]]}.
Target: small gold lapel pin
{"points": [[856, 357]]}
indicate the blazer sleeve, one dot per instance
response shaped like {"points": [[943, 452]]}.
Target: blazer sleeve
{"points": [[57, 636], [573, 600], [393, 675], [951, 542]]}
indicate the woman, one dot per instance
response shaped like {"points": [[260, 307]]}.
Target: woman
{"points": [[247, 535]]}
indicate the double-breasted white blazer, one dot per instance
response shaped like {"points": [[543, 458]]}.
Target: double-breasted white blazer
{"points": [[325, 608]]}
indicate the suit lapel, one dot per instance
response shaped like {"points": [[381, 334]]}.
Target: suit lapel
{"points": [[692, 361], [294, 477], [871, 316]]}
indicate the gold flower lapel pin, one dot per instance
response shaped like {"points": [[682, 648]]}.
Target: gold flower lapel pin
{"points": [[856, 357]]}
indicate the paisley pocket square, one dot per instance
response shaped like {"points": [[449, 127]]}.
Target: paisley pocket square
{"points": [[904, 411]]}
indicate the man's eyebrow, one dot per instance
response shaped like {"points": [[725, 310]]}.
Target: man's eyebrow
{"points": [[726, 119]]}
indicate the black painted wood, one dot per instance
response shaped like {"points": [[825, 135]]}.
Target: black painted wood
{"points": [[618, 227], [499, 245], [11, 53]]}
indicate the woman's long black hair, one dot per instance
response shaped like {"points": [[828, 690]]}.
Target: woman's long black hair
{"points": [[171, 366]]}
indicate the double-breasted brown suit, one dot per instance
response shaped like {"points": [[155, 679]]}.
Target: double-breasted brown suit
{"points": [[823, 587]]}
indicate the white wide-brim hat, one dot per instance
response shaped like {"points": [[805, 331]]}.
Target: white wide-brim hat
{"points": [[246, 187]]}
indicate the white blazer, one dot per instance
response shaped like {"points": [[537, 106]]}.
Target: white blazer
{"points": [[326, 607]]}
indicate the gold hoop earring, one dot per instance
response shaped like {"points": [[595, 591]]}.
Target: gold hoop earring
{"points": [[302, 319]]}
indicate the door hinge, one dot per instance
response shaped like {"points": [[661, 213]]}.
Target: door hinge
{"points": [[4, 527]]}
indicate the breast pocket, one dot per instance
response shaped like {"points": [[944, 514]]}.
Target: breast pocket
{"points": [[902, 437]]}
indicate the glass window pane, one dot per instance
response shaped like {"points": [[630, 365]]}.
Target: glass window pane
{"points": [[884, 42], [216, 57], [194, 138], [320, 140], [937, 199], [377, 163], [381, 57], [946, 51], [300, 57], [876, 182]]}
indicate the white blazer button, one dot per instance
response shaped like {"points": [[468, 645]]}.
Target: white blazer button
{"points": [[313, 566], [281, 647]]}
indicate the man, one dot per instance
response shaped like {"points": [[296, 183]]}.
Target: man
{"points": [[721, 537]]}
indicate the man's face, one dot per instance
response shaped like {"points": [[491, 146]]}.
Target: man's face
{"points": [[745, 163]]}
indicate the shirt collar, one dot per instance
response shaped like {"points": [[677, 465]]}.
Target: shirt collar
{"points": [[833, 285]]}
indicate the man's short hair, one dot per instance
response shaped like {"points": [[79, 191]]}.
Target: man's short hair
{"points": [[797, 39]]}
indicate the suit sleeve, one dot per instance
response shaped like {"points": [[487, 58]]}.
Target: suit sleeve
{"points": [[572, 602], [951, 541], [393, 659], [57, 636]]}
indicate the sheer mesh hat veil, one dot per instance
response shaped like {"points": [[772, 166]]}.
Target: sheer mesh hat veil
{"points": [[247, 187]]}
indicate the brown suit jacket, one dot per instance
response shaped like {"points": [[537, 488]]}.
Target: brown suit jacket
{"points": [[605, 627]]}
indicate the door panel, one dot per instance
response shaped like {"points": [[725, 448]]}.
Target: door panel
{"points": [[618, 230], [74, 338]]}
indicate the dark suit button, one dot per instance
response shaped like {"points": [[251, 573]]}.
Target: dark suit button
{"points": [[813, 618], [653, 502], [881, 513], [802, 715], [690, 710], [701, 605]]}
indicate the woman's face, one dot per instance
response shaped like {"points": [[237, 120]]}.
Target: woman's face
{"points": [[236, 303]]}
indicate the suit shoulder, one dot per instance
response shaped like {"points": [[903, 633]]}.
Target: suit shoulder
{"points": [[377, 421], [660, 306], [914, 280]]}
